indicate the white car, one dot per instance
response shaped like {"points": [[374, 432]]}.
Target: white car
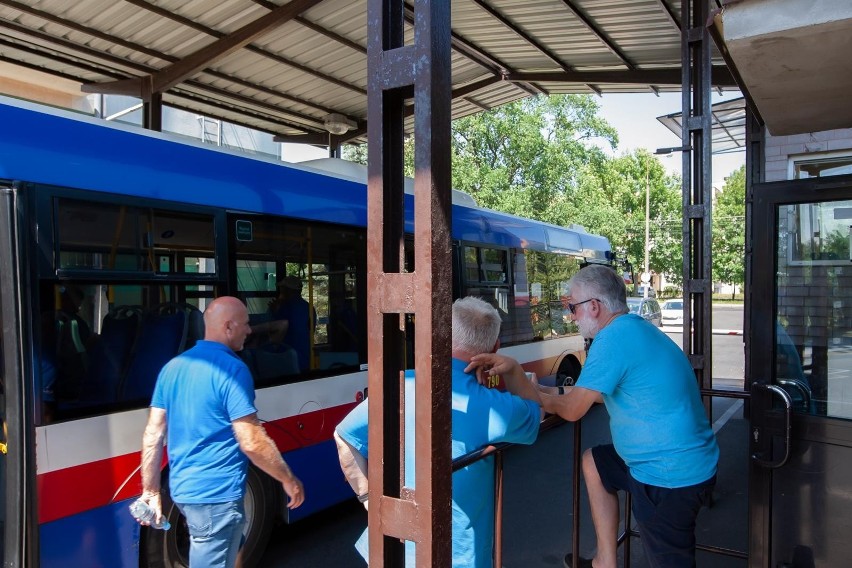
{"points": [[672, 311]]}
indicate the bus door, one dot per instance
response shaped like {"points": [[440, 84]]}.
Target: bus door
{"points": [[16, 545], [800, 495]]}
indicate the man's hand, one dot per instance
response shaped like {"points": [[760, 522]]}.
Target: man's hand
{"points": [[490, 364], [152, 498], [294, 489]]}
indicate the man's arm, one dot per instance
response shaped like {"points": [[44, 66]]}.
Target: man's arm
{"points": [[276, 329], [354, 466], [572, 405], [513, 374], [152, 458], [256, 444]]}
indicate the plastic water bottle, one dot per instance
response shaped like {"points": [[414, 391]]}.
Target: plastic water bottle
{"points": [[145, 514]]}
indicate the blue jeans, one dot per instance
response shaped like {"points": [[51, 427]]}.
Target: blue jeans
{"points": [[215, 531]]}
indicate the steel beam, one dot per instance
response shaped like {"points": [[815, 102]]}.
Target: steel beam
{"points": [[396, 72], [696, 135]]}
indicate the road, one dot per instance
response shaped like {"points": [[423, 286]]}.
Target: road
{"points": [[728, 349], [537, 514]]}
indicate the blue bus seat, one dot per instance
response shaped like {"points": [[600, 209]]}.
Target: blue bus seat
{"points": [[271, 360], [195, 328], [163, 335]]}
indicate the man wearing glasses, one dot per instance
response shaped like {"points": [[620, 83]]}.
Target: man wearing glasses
{"points": [[663, 452]]}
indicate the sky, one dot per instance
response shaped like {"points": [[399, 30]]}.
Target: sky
{"points": [[634, 116]]}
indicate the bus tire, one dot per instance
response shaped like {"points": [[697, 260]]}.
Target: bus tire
{"points": [[569, 371], [170, 549]]}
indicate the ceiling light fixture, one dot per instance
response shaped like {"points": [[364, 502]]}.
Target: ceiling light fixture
{"points": [[338, 124]]}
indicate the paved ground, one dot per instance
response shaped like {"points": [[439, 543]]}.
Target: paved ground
{"points": [[537, 525], [538, 520], [537, 509]]}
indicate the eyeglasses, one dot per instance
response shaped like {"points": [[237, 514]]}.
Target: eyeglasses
{"points": [[573, 307]]}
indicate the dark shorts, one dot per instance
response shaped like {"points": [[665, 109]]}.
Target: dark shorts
{"points": [[666, 517]]}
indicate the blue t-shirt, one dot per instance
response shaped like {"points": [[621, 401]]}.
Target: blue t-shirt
{"points": [[480, 416], [296, 311], [658, 423], [202, 391]]}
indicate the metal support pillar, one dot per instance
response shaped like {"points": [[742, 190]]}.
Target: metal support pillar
{"points": [[754, 174], [696, 136], [396, 73], [152, 109]]}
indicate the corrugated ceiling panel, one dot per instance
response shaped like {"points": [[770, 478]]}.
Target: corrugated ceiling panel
{"points": [[135, 41]]}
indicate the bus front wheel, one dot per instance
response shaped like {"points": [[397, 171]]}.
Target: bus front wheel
{"points": [[170, 549], [569, 371]]}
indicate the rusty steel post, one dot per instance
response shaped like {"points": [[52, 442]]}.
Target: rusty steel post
{"points": [[396, 73]]}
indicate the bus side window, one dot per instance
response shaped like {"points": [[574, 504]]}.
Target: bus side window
{"points": [[165, 332]]}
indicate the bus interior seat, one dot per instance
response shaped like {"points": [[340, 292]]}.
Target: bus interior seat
{"points": [[163, 335], [110, 356], [271, 360], [195, 329], [71, 358]]}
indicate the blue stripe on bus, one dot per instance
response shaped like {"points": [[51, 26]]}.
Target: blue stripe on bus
{"points": [[319, 469], [106, 537]]}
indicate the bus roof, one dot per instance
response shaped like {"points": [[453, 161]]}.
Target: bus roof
{"points": [[55, 147]]}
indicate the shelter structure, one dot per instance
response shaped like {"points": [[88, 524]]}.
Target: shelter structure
{"points": [[320, 71]]}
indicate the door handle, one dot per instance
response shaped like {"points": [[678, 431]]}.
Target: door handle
{"points": [[760, 457]]}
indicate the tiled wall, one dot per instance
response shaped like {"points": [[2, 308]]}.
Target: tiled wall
{"points": [[780, 148]]}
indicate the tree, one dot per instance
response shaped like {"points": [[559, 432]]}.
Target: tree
{"points": [[358, 153], [729, 230], [617, 190], [541, 158], [528, 157]]}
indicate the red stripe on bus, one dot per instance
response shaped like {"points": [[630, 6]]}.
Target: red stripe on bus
{"points": [[76, 489]]}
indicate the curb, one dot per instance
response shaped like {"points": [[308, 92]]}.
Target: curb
{"points": [[679, 329]]}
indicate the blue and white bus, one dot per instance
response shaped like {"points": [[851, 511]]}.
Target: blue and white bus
{"points": [[117, 239]]}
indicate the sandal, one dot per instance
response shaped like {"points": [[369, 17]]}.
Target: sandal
{"points": [[582, 562]]}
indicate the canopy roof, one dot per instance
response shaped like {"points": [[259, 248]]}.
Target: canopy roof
{"points": [[728, 125], [283, 67]]}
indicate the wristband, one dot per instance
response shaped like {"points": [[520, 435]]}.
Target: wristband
{"points": [[560, 390], [363, 498]]}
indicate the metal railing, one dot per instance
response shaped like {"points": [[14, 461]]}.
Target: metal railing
{"points": [[497, 451], [552, 421]]}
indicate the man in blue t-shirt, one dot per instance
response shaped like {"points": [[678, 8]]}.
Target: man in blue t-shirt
{"points": [[203, 406], [480, 416], [663, 452], [289, 306]]}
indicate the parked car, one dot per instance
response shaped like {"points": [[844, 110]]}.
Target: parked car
{"points": [[673, 311], [640, 291], [648, 308]]}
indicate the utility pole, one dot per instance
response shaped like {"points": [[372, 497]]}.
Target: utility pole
{"points": [[646, 275]]}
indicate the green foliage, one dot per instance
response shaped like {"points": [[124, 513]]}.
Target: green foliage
{"points": [[541, 158], [527, 157], [358, 153], [729, 230]]}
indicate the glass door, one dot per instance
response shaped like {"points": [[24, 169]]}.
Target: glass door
{"points": [[801, 416]]}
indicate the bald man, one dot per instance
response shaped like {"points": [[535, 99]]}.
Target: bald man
{"points": [[204, 404]]}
